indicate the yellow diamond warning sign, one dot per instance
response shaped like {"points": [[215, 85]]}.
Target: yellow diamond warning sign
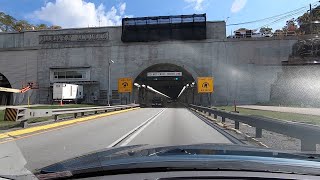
{"points": [[205, 84], [124, 85]]}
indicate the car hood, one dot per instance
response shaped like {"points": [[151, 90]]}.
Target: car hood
{"points": [[201, 156]]}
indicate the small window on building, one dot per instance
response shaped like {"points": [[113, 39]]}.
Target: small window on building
{"points": [[69, 74], [61, 75]]}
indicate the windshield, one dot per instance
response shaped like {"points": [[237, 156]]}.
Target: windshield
{"points": [[83, 76]]}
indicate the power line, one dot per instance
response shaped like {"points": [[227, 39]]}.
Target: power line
{"points": [[272, 17], [282, 18], [249, 22], [288, 16]]}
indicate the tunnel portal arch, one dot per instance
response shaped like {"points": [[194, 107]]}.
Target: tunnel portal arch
{"points": [[6, 98], [169, 85]]}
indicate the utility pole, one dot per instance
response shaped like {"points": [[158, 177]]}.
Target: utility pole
{"points": [[311, 16], [109, 79]]}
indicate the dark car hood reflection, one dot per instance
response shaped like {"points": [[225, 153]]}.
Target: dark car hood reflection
{"points": [[208, 152]]}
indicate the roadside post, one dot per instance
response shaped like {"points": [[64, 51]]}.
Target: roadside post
{"points": [[206, 86], [125, 86], [28, 101]]}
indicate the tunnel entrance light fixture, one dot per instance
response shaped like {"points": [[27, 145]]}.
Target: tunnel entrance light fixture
{"points": [[156, 91], [136, 84], [151, 89], [182, 90], [185, 87]]}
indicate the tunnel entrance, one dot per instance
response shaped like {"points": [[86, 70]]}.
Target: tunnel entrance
{"points": [[168, 79], [6, 98]]}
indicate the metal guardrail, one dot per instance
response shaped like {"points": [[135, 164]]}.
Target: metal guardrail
{"points": [[308, 134], [82, 111], [27, 114]]}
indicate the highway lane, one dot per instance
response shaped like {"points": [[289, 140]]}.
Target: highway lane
{"points": [[57, 145], [167, 126], [176, 126]]}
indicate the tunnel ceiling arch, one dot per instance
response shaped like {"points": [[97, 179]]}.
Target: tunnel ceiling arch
{"points": [[169, 85], [5, 97]]}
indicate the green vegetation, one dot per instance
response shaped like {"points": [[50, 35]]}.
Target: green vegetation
{"points": [[6, 124], [276, 115], [9, 24], [1, 115], [300, 105], [292, 24]]}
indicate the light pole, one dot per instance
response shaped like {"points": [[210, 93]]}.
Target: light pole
{"points": [[235, 73], [109, 79]]}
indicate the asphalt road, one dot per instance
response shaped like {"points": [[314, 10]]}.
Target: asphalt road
{"points": [[164, 126]]}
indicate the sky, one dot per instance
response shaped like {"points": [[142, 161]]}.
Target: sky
{"points": [[94, 13]]}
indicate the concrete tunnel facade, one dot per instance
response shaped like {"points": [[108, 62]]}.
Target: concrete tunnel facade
{"points": [[244, 69]]}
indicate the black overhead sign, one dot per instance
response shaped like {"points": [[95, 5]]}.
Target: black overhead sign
{"points": [[162, 28]]}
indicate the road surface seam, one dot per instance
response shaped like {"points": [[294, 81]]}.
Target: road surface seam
{"points": [[118, 141], [230, 137], [59, 124]]}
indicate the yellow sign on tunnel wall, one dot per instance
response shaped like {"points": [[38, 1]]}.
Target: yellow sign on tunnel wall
{"points": [[124, 85], [205, 84]]}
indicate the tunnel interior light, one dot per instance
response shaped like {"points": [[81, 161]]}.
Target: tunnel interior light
{"points": [[156, 91], [182, 90], [136, 84]]}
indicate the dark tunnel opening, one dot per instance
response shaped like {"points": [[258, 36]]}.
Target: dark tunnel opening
{"points": [[168, 79], [6, 98]]}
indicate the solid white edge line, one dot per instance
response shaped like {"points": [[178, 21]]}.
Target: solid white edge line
{"points": [[126, 135], [140, 130]]}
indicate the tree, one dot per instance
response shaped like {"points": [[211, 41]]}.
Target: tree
{"points": [[6, 22], [242, 29], [41, 27], [306, 18], [22, 25], [55, 27], [9, 23], [290, 25], [265, 30]]}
